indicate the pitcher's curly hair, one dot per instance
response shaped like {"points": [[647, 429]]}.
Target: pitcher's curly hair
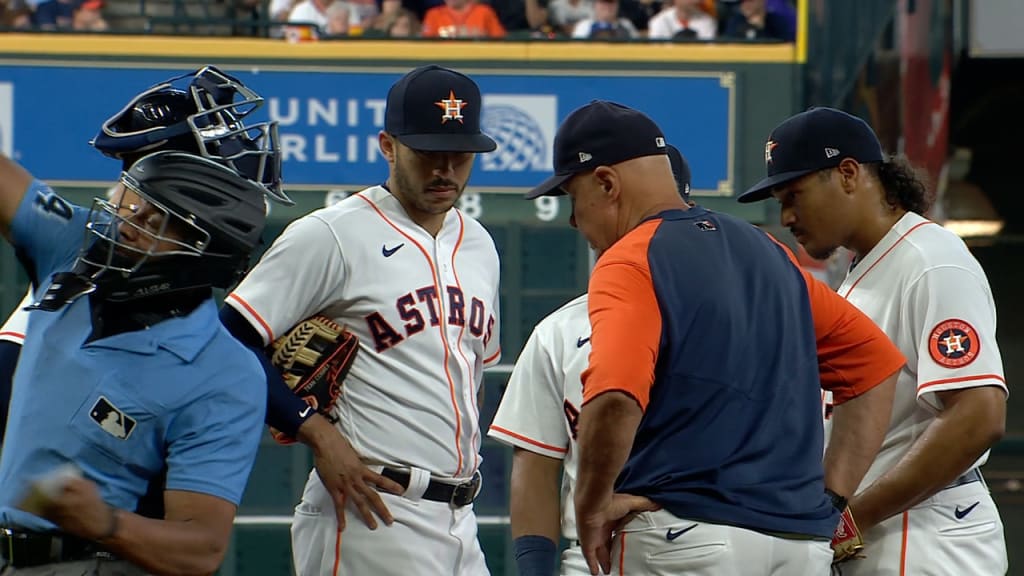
{"points": [[904, 186]]}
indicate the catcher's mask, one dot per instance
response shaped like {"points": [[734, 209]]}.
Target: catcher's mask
{"points": [[182, 222], [200, 112]]}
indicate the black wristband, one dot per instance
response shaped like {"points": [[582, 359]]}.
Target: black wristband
{"points": [[838, 502]]}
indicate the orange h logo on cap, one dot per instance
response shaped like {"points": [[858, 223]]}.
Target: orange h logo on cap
{"points": [[452, 107]]}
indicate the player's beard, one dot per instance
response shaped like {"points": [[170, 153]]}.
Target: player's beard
{"points": [[421, 198]]}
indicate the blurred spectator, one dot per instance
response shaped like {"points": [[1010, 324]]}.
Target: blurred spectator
{"points": [[462, 19], [17, 14], [279, 11], [362, 14], [88, 18], [405, 24], [606, 23], [516, 15], [685, 19], [761, 19], [310, 12], [565, 14], [52, 14], [338, 15]]}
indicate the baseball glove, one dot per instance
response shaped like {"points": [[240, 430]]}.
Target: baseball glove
{"points": [[314, 357], [846, 540]]}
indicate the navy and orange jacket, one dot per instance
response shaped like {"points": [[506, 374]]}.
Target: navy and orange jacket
{"points": [[706, 321]]}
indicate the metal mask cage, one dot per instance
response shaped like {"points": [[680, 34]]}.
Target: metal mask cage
{"points": [[221, 103], [104, 247]]}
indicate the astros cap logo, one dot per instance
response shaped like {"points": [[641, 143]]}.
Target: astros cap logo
{"points": [[452, 107], [954, 343]]}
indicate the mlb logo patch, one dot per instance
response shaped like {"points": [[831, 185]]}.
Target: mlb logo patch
{"points": [[113, 421]]}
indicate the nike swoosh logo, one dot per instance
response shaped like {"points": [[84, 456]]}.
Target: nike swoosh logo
{"points": [[670, 535], [961, 513], [305, 412], [581, 341], [387, 253]]}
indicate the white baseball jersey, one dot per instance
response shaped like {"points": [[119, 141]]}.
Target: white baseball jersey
{"points": [[539, 413], [542, 401], [425, 311], [14, 328], [926, 291]]}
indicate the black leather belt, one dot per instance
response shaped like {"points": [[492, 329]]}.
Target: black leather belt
{"points": [[455, 494], [972, 475], [27, 549]]}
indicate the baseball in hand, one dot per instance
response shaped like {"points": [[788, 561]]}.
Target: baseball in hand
{"points": [[47, 488]]}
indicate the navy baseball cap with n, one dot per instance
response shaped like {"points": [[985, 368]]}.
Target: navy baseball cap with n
{"points": [[680, 169], [810, 141], [601, 133], [435, 109]]}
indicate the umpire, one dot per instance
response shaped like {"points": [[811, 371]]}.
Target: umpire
{"points": [[126, 371]]}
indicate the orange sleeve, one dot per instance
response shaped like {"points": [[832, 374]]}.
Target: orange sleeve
{"points": [[431, 22], [854, 355], [625, 319], [494, 27]]}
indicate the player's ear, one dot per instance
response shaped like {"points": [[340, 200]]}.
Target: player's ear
{"points": [[386, 142], [850, 171], [608, 179]]}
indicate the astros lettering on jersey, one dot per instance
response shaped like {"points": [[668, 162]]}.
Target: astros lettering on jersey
{"points": [[412, 300]]}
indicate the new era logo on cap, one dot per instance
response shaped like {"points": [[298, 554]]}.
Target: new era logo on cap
{"points": [[831, 152], [584, 157]]}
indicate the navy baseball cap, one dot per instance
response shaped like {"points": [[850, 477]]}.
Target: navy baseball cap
{"points": [[435, 109], [810, 141], [680, 169], [601, 133]]}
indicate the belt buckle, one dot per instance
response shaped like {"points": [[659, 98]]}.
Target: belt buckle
{"points": [[464, 494]]}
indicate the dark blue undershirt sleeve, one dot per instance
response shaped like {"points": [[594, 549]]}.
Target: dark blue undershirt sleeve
{"points": [[284, 409]]}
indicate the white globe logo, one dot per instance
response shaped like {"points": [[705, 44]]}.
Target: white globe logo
{"points": [[521, 144]]}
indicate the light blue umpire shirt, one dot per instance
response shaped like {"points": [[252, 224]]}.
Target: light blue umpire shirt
{"points": [[182, 393]]}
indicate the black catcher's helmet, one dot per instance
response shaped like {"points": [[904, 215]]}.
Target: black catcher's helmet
{"points": [[202, 113], [195, 224]]}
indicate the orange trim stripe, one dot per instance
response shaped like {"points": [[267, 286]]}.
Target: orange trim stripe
{"points": [[337, 545], [962, 379], [884, 254], [458, 342], [622, 554], [492, 357], [440, 325], [19, 334], [506, 432], [251, 310], [903, 546]]}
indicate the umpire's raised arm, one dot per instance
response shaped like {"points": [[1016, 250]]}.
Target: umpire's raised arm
{"points": [[14, 183]]}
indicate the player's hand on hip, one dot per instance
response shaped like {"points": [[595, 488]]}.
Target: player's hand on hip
{"points": [[597, 527], [347, 479]]}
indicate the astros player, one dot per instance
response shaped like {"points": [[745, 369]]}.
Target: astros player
{"points": [[417, 282], [923, 506], [539, 412]]}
